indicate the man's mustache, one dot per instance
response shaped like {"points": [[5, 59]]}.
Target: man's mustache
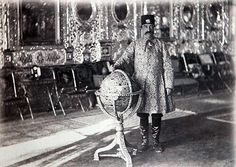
{"points": [[147, 32]]}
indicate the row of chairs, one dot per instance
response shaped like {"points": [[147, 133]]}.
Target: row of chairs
{"points": [[28, 87], [210, 70]]}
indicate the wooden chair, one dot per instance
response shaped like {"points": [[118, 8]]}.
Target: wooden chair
{"points": [[15, 94], [69, 83], [41, 80], [195, 69], [223, 69], [66, 84]]}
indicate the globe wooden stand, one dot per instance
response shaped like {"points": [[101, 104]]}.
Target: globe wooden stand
{"points": [[124, 146]]}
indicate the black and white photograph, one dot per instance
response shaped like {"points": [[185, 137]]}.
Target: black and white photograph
{"points": [[117, 83]]}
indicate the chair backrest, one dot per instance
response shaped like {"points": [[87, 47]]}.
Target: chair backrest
{"points": [[177, 66], [84, 77], [206, 59], [207, 64], [64, 78], [12, 85]]}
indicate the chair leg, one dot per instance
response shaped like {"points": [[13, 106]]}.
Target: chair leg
{"points": [[30, 109], [51, 102], [80, 102], [62, 108], [21, 116]]}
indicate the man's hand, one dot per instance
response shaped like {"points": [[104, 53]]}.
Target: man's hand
{"points": [[168, 91], [112, 68]]}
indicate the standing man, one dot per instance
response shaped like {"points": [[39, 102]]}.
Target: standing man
{"points": [[153, 71]]}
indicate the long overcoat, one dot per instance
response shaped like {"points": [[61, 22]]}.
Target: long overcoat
{"points": [[152, 70]]}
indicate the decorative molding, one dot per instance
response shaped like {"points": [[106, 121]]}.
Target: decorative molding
{"points": [[187, 15], [1, 33], [13, 26], [176, 20], [189, 28], [39, 57], [123, 29], [23, 55], [84, 36], [214, 25]]}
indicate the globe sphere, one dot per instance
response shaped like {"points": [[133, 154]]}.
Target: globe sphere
{"points": [[116, 92]]}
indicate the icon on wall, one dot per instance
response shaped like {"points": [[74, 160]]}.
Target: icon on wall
{"points": [[37, 22]]}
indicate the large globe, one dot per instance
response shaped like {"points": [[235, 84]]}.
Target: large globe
{"points": [[118, 87]]}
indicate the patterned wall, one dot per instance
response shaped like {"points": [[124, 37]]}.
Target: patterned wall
{"points": [[176, 19], [83, 35], [3, 26], [215, 25], [121, 29], [1, 34], [199, 33], [41, 55], [189, 28]]}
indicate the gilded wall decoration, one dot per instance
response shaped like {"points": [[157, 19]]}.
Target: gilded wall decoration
{"points": [[214, 25], [84, 30], [39, 57], [1, 34], [13, 32], [189, 14], [214, 15], [103, 21], [226, 23], [121, 21], [18, 22], [83, 25], [4, 28], [1, 26], [25, 58], [176, 20]]}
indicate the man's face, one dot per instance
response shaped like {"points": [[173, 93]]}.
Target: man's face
{"points": [[147, 29]]}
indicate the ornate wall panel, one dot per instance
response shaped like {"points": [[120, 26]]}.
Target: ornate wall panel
{"points": [[83, 25], [121, 20], [1, 33], [201, 22], [84, 30], [189, 21], [214, 25], [13, 35], [3, 29], [226, 23], [176, 20], [39, 57], [25, 55], [103, 21], [122, 25], [138, 12]]}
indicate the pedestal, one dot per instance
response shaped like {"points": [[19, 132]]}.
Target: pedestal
{"points": [[124, 146]]}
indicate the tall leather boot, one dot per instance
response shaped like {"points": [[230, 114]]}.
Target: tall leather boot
{"points": [[144, 128], [156, 130]]}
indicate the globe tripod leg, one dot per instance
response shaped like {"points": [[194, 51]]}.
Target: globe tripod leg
{"points": [[131, 148], [123, 149], [106, 148]]}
